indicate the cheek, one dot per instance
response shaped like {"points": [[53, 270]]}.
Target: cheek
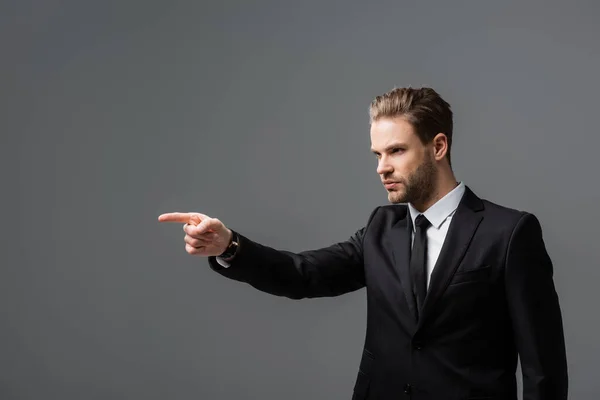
{"points": [[404, 167]]}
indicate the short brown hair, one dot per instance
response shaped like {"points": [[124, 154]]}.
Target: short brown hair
{"points": [[423, 108]]}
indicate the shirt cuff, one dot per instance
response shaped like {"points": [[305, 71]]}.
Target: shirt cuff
{"points": [[223, 263]]}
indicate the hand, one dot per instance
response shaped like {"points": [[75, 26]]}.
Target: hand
{"points": [[205, 236]]}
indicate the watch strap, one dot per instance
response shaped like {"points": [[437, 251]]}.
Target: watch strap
{"points": [[231, 250]]}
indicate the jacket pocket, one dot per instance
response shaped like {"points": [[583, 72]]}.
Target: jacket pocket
{"points": [[480, 274]]}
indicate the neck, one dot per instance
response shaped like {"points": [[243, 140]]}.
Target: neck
{"points": [[445, 183]]}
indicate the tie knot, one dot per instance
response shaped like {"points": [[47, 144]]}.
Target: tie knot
{"points": [[422, 222]]}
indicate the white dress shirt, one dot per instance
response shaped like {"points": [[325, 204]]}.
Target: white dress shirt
{"points": [[439, 214]]}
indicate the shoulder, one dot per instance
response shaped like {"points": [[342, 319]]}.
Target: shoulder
{"points": [[509, 219], [391, 210], [387, 215], [497, 211]]}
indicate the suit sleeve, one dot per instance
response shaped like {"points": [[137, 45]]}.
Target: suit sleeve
{"points": [[325, 272], [535, 313]]}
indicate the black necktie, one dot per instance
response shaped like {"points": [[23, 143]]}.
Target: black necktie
{"points": [[418, 262]]}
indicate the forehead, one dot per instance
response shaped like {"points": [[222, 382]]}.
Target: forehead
{"points": [[387, 130]]}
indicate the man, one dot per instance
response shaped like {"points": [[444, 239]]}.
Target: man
{"points": [[457, 286]]}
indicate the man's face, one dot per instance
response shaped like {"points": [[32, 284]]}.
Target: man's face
{"points": [[404, 160]]}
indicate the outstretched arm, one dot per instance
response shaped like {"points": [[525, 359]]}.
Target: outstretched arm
{"points": [[328, 271]]}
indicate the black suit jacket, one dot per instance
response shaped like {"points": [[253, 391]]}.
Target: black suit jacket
{"points": [[491, 296]]}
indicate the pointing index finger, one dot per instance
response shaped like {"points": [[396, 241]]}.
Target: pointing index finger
{"points": [[184, 218], [174, 217]]}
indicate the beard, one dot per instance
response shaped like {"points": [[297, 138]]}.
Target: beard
{"points": [[419, 186]]}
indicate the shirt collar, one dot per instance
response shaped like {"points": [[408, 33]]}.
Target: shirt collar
{"points": [[442, 209]]}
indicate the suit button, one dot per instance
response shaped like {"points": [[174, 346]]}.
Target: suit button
{"points": [[407, 388], [417, 345]]}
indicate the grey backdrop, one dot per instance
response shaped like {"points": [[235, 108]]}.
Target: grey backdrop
{"points": [[256, 113]]}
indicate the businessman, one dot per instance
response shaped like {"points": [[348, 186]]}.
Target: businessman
{"points": [[457, 286]]}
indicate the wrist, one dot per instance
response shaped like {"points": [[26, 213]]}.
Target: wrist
{"points": [[231, 250]]}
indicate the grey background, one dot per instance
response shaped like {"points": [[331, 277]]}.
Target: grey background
{"points": [[256, 113]]}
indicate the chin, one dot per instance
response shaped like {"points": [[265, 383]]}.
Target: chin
{"points": [[395, 197]]}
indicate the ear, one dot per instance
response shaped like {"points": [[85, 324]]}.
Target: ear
{"points": [[440, 146]]}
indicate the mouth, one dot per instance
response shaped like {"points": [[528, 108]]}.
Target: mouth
{"points": [[391, 185]]}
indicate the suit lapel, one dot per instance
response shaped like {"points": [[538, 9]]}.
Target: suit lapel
{"points": [[401, 244], [463, 225]]}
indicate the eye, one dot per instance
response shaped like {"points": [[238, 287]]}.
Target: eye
{"points": [[396, 150]]}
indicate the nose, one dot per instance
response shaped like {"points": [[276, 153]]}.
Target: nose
{"points": [[383, 167]]}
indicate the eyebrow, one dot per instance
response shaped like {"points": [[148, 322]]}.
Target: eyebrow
{"points": [[390, 147]]}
